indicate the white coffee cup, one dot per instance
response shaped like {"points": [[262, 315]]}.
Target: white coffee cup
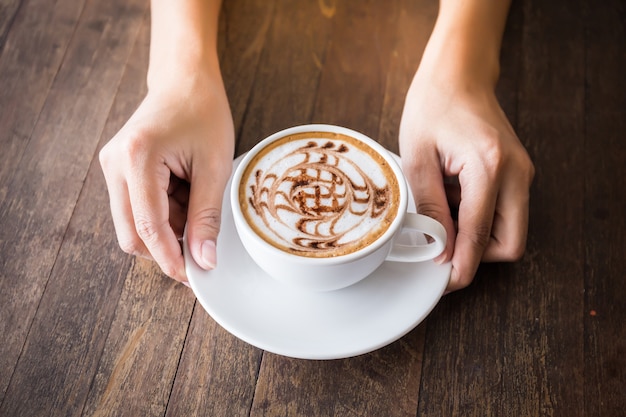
{"points": [[302, 268]]}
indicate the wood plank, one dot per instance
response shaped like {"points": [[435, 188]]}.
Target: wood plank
{"points": [[468, 364], [383, 383], [416, 20], [288, 73], [135, 371], [137, 368], [84, 325], [8, 11], [605, 205], [38, 40], [218, 372], [351, 92], [496, 347], [352, 86], [243, 28], [507, 89], [57, 359], [547, 371], [30, 60]]}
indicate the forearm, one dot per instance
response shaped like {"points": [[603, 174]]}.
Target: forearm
{"points": [[465, 43], [183, 46]]}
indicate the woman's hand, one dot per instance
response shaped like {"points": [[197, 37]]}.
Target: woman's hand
{"points": [[459, 134], [458, 149], [167, 166]]}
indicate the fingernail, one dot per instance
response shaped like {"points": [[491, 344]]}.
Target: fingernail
{"points": [[185, 283], [440, 259], [207, 252]]}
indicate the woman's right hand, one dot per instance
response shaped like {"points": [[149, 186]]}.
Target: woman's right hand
{"points": [[167, 167]]}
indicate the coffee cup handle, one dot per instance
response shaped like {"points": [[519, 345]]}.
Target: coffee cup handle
{"points": [[411, 245]]}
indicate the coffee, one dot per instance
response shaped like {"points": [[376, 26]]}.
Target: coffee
{"points": [[319, 194]]}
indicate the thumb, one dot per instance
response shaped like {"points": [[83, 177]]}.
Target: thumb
{"points": [[204, 215], [425, 179]]}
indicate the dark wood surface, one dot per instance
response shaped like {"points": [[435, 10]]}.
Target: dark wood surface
{"points": [[88, 330]]}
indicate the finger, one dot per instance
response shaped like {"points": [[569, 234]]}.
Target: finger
{"points": [[476, 211], [147, 188], [205, 209], [510, 223], [121, 212], [426, 181]]}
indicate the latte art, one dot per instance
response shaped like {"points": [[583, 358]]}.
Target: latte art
{"points": [[319, 194]]}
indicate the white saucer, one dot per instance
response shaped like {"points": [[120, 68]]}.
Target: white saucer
{"points": [[355, 320]]}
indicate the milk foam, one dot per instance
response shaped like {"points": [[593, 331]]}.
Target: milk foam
{"points": [[319, 194]]}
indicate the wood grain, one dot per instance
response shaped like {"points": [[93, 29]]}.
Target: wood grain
{"points": [[385, 382], [287, 76], [351, 92], [356, 64], [604, 206], [551, 110], [413, 25], [244, 26], [8, 11], [51, 305], [217, 373], [88, 330], [528, 316], [147, 326]]}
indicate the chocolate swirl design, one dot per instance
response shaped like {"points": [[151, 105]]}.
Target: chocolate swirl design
{"points": [[318, 200]]}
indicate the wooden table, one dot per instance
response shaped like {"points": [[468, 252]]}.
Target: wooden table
{"points": [[88, 330]]}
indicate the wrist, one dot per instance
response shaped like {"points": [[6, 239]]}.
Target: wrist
{"points": [[194, 93], [184, 78], [464, 48], [452, 60], [183, 45]]}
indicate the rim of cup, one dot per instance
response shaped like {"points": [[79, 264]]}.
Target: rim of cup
{"points": [[385, 238]]}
